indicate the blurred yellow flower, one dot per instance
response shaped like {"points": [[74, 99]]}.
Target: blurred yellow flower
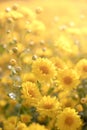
{"points": [[25, 118], [81, 68], [65, 44], [36, 126], [58, 62], [21, 126], [68, 102], [28, 77], [37, 28], [10, 123]]}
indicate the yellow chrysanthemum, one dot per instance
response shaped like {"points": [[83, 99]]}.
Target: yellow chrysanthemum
{"points": [[35, 126], [28, 13], [68, 78], [14, 15], [30, 92], [36, 31], [68, 99], [37, 28], [21, 126], [10, 123], [45, 88], [79, 107], [58, 62], [65, 45], [69, 120], [25, 118], [28, 77], [43, 69], [81, 68], [68, 102], [48, 106]]}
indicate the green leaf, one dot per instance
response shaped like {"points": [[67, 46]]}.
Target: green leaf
{"points": [[1, 49], [50, 91], [39, 85], [84, 127]]}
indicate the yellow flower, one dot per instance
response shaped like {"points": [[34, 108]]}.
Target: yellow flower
{"points": [[12, 120], [43, 69], [14, 14], [68, 79], [26, 58], [10, 123], [68, 120], [30, 92], [28, 77], [66, 46], [25, 118], [6, 80], [68, 102], [21, 126], [45, 88], [68, 99], [79, 107], [81, 68], [35, 126], [28, 13], [59, 63], [37, 28], [48, 106]]}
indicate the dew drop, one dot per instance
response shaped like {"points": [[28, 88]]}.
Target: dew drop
{"points": [[12, 95], [8, 9]]}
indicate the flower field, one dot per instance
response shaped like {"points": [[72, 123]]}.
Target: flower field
{"points": [[43, 65]]}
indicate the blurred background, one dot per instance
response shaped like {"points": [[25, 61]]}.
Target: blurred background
{"points": [[59, 14]]}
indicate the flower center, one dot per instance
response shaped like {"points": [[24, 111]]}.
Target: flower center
{"points": [[31, 93], [69, 121], [44, 69], [85, 68], [58, 65], [67, 80], [24, 119], [68, 104], [48, 106]]}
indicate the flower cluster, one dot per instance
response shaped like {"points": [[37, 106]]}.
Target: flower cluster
{"points": [[43, 77]]}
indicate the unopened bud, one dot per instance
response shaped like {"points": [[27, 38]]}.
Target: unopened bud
{"points": [[13, 62], [34, 57], [38, 10], [15, 49], [18, 69], [15, 7], [83, 100]]}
